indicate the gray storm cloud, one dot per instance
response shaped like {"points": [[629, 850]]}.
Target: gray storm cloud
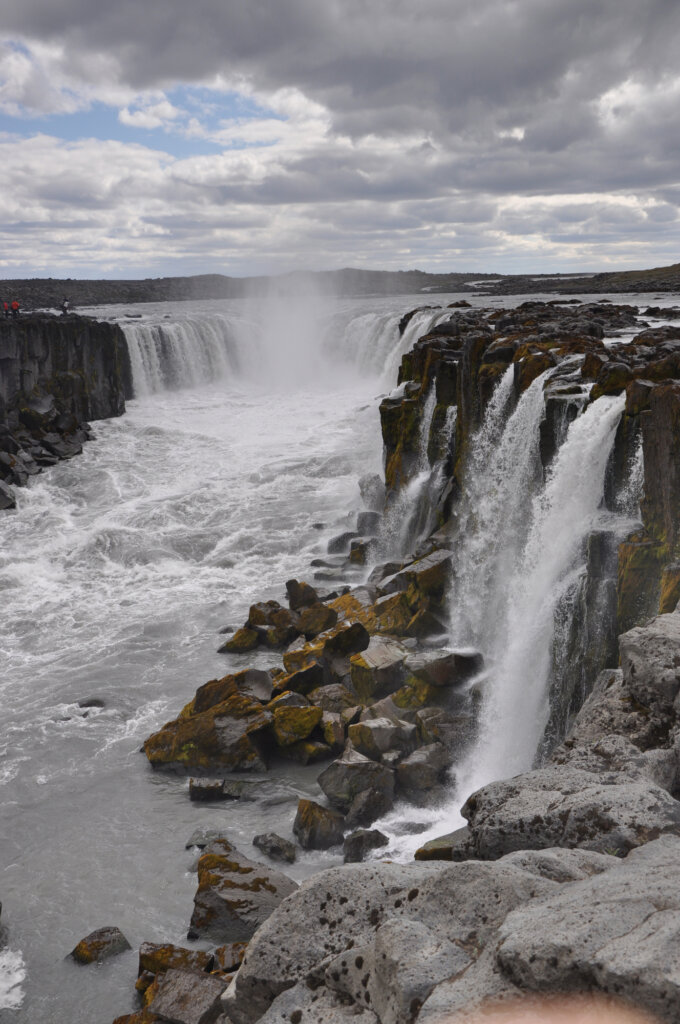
{"points": [[459, 103]]}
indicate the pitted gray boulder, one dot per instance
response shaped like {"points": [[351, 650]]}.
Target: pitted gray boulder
{"points": [[399, 970], [344, 909], [564, 806], [307, 1005], [619, 933]]}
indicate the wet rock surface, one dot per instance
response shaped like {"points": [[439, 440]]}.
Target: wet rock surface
{"points": [[235, 894], [100, 945]]}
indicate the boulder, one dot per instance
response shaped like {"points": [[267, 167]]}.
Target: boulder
{"points": [[437, 920], [317, 618], [301, 680], [346, 640], [617, 932], [334, 697], [357, 845], [275, 847], [100, 945], [444, 668], [424, 769], [7, 499], [224, 737], [330, 650], [290, 724], [340, 543], [260, 614], [392, 614], [560, 805], [300, 595], [372, 491], [455, 731], [379, 669], [206, 790], [156, 958], [333, 729], [288, 699], [350, 775], [184, 997], [369, 805], [235, 895], [243, 641], [452, 846], [317, 827], [429, 577], [375, 737]]}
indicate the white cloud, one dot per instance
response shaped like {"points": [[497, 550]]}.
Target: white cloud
{"points": [[387, 132]]}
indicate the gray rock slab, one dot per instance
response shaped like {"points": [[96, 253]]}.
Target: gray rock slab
{"points": [[347, 905], [185, 997], [235, 894], [564, 806], [305, 1005], [617, 932]]}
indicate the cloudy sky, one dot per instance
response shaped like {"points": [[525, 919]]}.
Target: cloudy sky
{"points": [[247, 136]]}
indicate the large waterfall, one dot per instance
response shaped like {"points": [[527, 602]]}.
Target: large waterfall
{"points": [[542, 545]]}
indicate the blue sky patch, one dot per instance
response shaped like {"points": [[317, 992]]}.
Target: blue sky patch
{"points": [[100, 121]]}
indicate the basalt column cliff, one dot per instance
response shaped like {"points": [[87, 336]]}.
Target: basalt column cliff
{"points": [[55, 375]]}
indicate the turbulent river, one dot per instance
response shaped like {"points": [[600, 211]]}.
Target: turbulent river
{"points": [[236, 461]]}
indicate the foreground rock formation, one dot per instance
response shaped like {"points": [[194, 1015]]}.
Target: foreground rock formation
{"points": [[56, 374], [566, 877]]}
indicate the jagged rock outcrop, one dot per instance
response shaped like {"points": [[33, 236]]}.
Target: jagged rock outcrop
{"points": [[406, 942], [56, 374]]}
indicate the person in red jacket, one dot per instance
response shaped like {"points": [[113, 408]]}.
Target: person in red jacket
{"points": [[5, 306], [15, 308]]}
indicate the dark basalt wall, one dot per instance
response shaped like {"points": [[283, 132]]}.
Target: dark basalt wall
{"points": [[56, 374]]}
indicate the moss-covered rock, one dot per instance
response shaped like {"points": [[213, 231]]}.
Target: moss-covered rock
{"points": [[317, 618], [100, 945], [289, 725], [227, 736], [234, 895], [670, 588], [378, 670], [243, 641], [156, 958], [639, 580], [612, 379]]}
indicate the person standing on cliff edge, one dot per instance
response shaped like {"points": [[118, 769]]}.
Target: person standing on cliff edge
{"points": [[64, 307], [15, 308]]}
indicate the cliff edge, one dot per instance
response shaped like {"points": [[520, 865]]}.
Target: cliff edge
{"points": [[56, 374]]}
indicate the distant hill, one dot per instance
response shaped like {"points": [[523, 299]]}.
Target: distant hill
{"points": [[36, 293]]}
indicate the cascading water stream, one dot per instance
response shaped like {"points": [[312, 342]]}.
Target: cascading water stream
{"points": [[410, 514], [516, 706], [173, 355], [503, 471]]}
